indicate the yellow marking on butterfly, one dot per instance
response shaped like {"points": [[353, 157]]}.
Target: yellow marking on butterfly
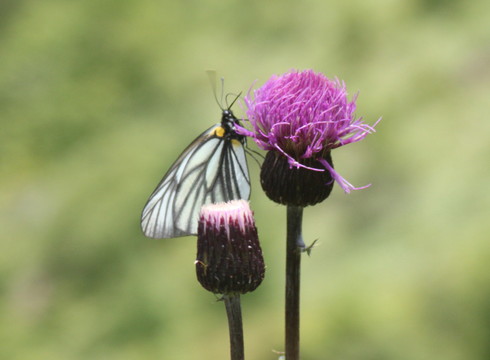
{"points": [[236, 143], [219, 131]]}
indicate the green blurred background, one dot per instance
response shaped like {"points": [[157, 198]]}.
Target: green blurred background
{"points": [[97, 98]]}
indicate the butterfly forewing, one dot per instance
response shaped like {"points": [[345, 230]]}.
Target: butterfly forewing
{"points": [[157, 219], [211, 169], [194, 188]]}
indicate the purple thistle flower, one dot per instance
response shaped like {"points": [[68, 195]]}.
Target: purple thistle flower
{"points": [[304, 115]]}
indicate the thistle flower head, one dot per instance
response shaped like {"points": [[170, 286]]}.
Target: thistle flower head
{"points": [[229, 258], [303, 116]]}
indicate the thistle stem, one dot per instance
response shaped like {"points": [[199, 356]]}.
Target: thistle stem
{"points": [[234, 313], [294, 248]]}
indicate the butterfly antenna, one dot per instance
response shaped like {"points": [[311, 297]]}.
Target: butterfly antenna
{"points": [[212, 80], [222, 92], [234, 100]]}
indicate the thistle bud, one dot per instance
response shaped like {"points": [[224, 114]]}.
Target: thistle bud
{"points": [[229, 258]]}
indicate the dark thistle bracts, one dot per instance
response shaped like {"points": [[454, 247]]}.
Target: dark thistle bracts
{"points": [[296, 186], [229, 258]]}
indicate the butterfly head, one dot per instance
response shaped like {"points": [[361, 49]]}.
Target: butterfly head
{"points": [[228, 117], [228, 122]]}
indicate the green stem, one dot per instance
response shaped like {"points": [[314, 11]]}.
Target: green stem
{"points": [[294, 248], [234, 313]]}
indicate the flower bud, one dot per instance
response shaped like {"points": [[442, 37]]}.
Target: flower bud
{"points": [[229, 257]]}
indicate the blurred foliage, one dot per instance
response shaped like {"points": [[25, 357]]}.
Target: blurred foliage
{"points": [[97, 98]]}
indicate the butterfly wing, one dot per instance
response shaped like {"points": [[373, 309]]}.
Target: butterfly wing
{"points": [[233, 177], [211, 169]]}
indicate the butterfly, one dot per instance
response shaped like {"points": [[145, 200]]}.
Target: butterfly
{"points": [[212, 169]]}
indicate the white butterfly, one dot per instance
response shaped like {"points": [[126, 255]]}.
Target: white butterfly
{"points": [[213, 168]]}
